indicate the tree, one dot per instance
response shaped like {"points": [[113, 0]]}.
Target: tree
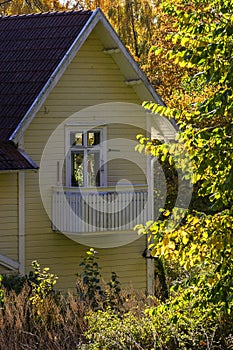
{"points": [[202, 242], [16, 7], [164, 74], [134, 21]]}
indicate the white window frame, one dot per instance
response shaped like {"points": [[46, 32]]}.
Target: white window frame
{"points": [[102, 149]]}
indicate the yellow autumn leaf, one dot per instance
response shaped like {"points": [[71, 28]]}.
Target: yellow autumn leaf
{"points": [[195, 220], [185, 237], [171, 245]]}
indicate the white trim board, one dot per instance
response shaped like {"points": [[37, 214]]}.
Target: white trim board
{"points": [[9, 263]]}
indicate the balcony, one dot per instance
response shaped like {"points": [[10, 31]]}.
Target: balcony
{"points": [[106, 209]]}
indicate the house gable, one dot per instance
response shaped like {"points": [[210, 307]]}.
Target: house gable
{"points": [[92, 79], [44, 46], [93, 69]]}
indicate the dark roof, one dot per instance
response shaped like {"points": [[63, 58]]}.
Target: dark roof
{"points": [[12, 158], [31, 48]]}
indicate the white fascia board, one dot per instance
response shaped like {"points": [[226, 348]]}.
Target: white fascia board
{"points": [[16, 171], [56, 75], [129, 60], [29, 159], [9, 263]]}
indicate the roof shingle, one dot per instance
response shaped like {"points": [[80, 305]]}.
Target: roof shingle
{"points": [[12, 158], [31, 48]]}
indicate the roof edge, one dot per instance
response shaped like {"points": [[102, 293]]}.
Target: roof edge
{"points": [[9, 263], [131, 60], [29, 159], [57, 73], [96, 16]]}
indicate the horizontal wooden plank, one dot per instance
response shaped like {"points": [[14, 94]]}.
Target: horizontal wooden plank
{"points": [[89, 80]]}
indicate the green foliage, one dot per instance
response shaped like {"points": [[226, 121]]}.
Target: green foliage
{"points": [[44, 284], [189, 321], [114, 299], [1, 294], [202, 245], [16, 7], [16, 282], [89, 284], [201, 242], [110, 330], [92, 289], [206, 42], [186, 321]]}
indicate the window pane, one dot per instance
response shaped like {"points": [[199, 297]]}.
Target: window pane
{"points": [[77, 169], [93, 138], [93, 169], [76, 139]]}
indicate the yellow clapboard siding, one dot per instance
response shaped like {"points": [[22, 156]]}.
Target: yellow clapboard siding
{"points": [[11, 227], [91, 79], [4, 271], [9, 215]]}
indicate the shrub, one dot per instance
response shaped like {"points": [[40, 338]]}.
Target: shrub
{"points": [[185, 321], [38, 318], [92, 290], [43, 286], [88, 284], [112, 330], [14, 282], [58, 325], [1, 294]]}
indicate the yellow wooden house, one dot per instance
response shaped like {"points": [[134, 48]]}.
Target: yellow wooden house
{"points": [[70, 179]]}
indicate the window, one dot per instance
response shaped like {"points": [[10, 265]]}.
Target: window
{"points": [[86, 164]]}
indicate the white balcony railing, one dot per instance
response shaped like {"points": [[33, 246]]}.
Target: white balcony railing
{"points": [[77, 210]]}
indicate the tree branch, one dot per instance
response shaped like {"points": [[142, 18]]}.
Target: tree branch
{"points": [[5, 2]]}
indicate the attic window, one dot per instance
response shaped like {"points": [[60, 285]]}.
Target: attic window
{"points": [[85, 158]]}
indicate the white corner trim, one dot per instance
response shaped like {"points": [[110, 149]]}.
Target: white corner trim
{"points": [[21, 221], [9, 263]]}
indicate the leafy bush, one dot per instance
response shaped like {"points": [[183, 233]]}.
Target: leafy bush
{"points": [[44, 284], [36, 317], [92, 290], [88, 284], [1, 294], [111, 330], [184, 322]]}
